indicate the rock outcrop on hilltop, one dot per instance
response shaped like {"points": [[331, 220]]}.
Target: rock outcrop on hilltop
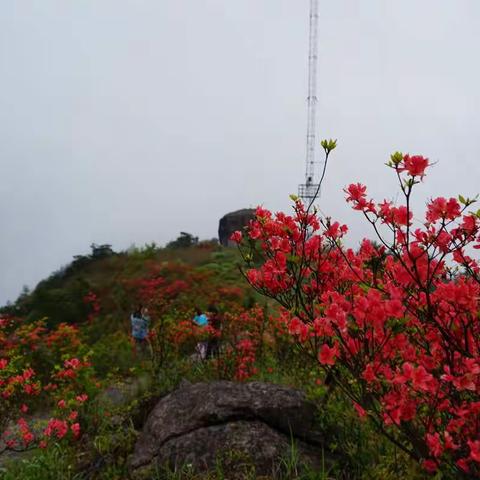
{"points": [[243, 424], [233, 221]]}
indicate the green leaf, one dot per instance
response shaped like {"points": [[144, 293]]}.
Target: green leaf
{"points": [[462, 200], [293, 259], [364, 287]]}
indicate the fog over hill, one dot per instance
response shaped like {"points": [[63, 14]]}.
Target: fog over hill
{"points": [[126, 122]]}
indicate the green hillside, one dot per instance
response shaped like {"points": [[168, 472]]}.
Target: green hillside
{"points": [[83, 311]]}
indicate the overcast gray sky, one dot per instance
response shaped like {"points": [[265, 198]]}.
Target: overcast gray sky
{"points": [[126, 121]]}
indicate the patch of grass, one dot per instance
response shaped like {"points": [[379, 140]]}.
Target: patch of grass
{"points": [[55, 463]]}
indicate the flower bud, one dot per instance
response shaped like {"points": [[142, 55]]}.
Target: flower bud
{"points": [[328, 145], [396, 157]]}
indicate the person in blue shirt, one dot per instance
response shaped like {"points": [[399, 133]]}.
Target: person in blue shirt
{"points": [[140, 322], [201, 320]]}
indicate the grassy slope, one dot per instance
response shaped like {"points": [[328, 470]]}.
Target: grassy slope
{"points": [[59, 297], [365, 455]]}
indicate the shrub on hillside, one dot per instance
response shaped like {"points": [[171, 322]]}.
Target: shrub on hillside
{"points": [[41, 367], [394, 325]]}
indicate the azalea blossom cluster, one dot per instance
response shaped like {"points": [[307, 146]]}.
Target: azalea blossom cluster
{"points": [[176, 287], [245, 335], [245, 366], [64, 339], [167, 289], [28, 380], [241, 335], [172, 291], [395, 323], [92, 301]]}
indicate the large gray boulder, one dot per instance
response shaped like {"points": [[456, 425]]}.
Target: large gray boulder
{"points": [[232, 222], [252, 423]]}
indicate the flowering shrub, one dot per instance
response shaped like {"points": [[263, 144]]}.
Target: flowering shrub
{"points": [[31, 373], [395, 324], [172, 291], [92, 302], [245, 359], [243, 338]]}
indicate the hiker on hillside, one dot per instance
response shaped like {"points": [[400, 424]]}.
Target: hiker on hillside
{"points": [[215, 326], [140, 321], [201, 320]]}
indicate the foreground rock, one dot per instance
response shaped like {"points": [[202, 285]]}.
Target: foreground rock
{"points": [[241, 425]]}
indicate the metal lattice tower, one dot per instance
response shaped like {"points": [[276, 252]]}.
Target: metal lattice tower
{"points": [[308, 190]]}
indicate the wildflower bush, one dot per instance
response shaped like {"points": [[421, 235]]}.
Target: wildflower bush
{"points": [[41, 369], [173, 291], [394, 325]]}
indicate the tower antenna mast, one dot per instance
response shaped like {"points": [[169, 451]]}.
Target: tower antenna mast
{"points": [[308, 190]]}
